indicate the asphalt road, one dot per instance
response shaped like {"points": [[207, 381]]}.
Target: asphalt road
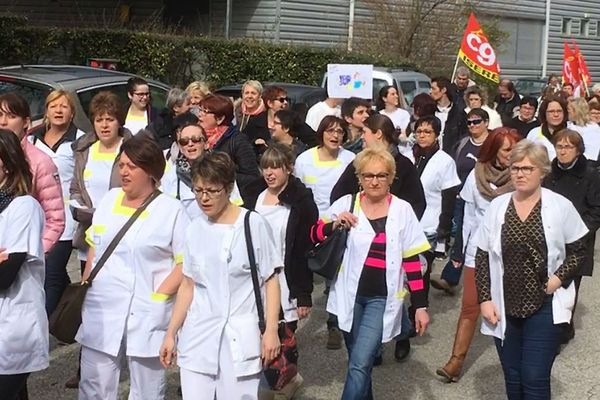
{"points": [[576, 372]]}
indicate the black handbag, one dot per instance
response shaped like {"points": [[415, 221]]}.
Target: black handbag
{"points": [[64, 322], [325, 258], [284, 367]]}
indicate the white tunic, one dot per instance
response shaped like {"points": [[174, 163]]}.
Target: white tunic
{"points": [[321, 176], [23, 321], [64, 159], [400, 118], [277, 217], [320, 110], [136, 123], [475, 207], [223, 303], [405, 239], [535, 135], [122, 300], [591, 139], [562, 225], [439, 174], [173, 186]]}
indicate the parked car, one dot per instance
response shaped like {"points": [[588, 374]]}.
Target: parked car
{"points": [[410, 82], [530, 86], [35, 82]]}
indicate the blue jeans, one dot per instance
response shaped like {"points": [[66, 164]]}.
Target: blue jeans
{"points": [[57, 278], [528, 353], [363, 342], [449, 273]]}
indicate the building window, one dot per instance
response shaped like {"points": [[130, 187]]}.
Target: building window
{"points": [[584, 29], [522, 47], [567, 26]]}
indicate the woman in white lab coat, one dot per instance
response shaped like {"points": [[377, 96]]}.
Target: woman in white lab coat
{"points": [[128, 306], [23, 322], [215, 319], [529, 251]]}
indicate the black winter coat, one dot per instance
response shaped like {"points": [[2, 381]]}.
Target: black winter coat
{"points": [[162, 129], [454, 129], [237, 146], [303, 214], [406, 185], [581, 185]]}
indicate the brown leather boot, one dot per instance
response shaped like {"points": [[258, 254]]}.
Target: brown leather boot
{"points": [[464, 334]]}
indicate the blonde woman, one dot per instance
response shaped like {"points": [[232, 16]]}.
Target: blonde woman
{"points": [[250, 105], [580, 120], [197, 91]]}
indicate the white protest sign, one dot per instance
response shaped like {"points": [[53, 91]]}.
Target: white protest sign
{"points": [[349, 80]]}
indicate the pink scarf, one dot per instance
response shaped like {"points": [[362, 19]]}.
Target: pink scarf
{"points": [[213, 135]]}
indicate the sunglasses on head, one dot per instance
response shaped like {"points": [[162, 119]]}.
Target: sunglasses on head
{"points": [[194, 139], [474, 122]]}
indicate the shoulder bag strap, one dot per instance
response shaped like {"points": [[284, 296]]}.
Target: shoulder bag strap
{"points": [[113, 244], [353, 203], [254, 272]]}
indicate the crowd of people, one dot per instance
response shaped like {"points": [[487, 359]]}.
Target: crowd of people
{"points": [[201, 215]]}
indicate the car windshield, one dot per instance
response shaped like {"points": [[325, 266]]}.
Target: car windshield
{"points": [[529, 87]]}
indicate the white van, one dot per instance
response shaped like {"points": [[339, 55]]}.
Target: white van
{"points": [[411, 83]]}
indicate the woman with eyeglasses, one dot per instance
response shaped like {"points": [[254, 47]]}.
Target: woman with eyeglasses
{"points": [[381, 257], [139, 113], [214, 332], [177, 180], [489, 179], [320, 167], [553, 115], [573, 177], [437, 171], [529, 249], [216, 116], [580, 121]]}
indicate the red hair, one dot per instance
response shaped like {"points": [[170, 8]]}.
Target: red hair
{"points": [[493, 143]]}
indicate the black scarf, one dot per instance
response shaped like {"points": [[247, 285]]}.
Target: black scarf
{"points": [[184, 170], [5, 199], [423, 155], [546, 131]]}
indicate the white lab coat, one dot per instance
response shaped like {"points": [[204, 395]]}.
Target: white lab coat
{"points": [[173, 186], [405, 238], [562, 225], [64, 159], [223, 304], [122, 301], [439, 174], [590, 133], [475, 207], [23, 321], [536, 136]]}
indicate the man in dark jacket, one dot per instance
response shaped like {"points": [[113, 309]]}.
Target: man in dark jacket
{"points": [[507, 101], [451, 115], [526, 119]]}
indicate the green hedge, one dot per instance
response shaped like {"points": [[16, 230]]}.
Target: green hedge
{"points": [[175, 59]]}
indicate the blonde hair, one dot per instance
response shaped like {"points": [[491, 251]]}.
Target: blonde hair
{"points": [[55, 95], [377, 152], [201, 86], [535, 152], [256, 85], [581, 111]]}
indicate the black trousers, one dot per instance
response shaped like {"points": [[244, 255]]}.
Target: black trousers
{"points": [[13, 387]]}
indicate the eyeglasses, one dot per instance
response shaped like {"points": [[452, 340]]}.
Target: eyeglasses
{"points": [[194, 139], [369, 177], [526, 171], [334, 131], [210, 193], [424, 132], [474, 122], [205, 111], [560, 147], [283, 99], [142, 94]]}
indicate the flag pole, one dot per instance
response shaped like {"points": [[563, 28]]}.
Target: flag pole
{"points": [[455, 68]]}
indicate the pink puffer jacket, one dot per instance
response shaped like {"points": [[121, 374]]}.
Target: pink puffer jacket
{"points": [[46, 190]]}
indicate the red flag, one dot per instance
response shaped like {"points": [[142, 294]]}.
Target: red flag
{"points": [[570, 67], [584, 72], [477, 52]]}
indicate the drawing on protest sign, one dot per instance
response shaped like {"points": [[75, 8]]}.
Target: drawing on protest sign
{"points": [[349, 80]]}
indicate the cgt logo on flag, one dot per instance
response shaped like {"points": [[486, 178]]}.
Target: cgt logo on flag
{"points": [[477, 53]]}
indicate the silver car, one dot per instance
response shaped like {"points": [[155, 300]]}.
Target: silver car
{"points": [[35, 82]]}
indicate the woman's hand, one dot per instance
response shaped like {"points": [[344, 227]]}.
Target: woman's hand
{"points": [[303, 312], [421, 321], [3, 254], [346, 220], [270, 346], [167, 353], [553, 283], [456, 264], [490, 312]]}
